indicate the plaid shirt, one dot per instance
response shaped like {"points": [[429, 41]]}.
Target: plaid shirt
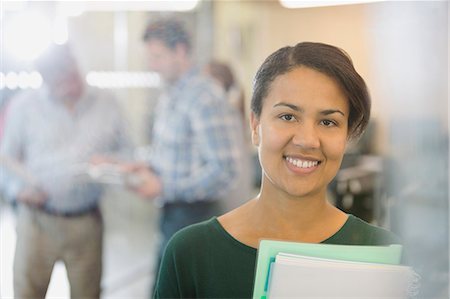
{"points": [[197, 139]]}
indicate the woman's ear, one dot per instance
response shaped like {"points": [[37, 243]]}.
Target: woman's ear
{"points": [[254, 123]]}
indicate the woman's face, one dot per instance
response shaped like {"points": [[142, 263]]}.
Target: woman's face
{"points": [[301, 133]]}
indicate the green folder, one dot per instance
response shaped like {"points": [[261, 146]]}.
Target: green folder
{"points": [[268, 249]]}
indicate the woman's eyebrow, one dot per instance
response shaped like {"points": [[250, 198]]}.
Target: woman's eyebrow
{"points": [[297, 108], [331, 111], [293, 107]]}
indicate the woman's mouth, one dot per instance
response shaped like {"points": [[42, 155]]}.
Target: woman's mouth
{"points": [[300, 163]]}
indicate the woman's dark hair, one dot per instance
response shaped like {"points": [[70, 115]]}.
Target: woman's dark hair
{"points": [[327, 59], [222, 72], [169, 31]]}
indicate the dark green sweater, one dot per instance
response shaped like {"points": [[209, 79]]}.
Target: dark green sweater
{"points": [[204, 261]]}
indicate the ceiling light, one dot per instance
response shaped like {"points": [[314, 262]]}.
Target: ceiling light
{"points": [[319, 3]]}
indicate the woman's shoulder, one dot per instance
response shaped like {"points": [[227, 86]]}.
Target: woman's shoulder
{"points": [[359, 232], [194, 235]]}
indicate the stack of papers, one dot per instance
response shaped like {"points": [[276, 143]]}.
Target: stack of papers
{"points": [[106, 173], [304, 270]]}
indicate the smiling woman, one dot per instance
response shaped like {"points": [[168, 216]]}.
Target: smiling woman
{"points": [[308, 102], [301, 133]]}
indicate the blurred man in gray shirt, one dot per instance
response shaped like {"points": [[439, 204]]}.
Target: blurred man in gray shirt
{"points": [[50, 135]]}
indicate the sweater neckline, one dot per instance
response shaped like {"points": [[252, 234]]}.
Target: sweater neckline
{"points": [[222, 230], [236, 242]]}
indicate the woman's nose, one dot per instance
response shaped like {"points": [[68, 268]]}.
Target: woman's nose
{"points": [[306, 136]]}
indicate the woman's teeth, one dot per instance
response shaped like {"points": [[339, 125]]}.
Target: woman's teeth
{"points": [[302, 163]]}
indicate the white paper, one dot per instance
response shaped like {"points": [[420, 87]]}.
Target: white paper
{"points": [[304, 277]]}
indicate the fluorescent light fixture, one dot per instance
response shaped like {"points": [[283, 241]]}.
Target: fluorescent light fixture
{"points": [[35, 80], [114, 80], [319, 3], [26, 35], [12, 80], [76, 7], [22, 80]]}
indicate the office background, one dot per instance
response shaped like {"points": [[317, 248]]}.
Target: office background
{"points": [[396, 177]]}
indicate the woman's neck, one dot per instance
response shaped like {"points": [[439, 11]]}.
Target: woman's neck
{"points": [[290, 215], [279, 216]]}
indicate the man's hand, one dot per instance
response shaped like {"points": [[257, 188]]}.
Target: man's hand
{"points": [[142, 180], [103, 159], [32, 196]]}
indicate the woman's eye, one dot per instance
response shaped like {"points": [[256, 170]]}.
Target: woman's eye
{"points": [[328, 123], [287, 117]]}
